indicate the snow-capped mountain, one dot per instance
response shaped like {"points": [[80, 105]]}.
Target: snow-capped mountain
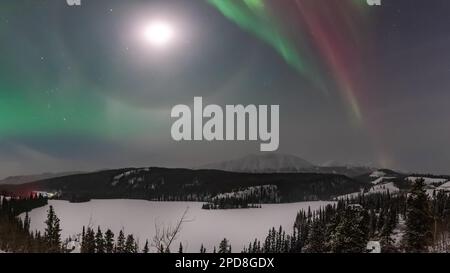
{"points": [[264, 163], [336, 164], [283, 163]]}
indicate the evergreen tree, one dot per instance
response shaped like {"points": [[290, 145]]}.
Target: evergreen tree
{"points": [[89, 241], [130, 244], [224, 246], [202, 249], [52, 232], [83, 241], [146, 249], [316, 240], [387, 242], [99, 242], [180, 249], [419, 220], [109, 241], [349, 237], [26, 222], [120, 246], [380, 222], [372, 223]]}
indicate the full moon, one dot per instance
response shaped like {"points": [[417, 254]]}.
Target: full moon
{"points": [[158, 33]]}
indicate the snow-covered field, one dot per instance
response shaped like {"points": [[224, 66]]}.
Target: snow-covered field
{"points": [[427, 180], [378, 188], [383, 188], [240, 226], [444, 187], [381, 180]]}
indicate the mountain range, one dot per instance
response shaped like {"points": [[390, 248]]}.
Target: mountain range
{"points": [[285, 178], [264, 163], [23, 179], [283, 163], [187, 185]]}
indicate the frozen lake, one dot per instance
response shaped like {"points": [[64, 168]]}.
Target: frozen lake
{"points": [[139, 217]]}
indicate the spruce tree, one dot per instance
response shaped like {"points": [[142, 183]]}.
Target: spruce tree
{"points": [[418, 234], [316, 239], [349, 235], [146, 249], [372, 223], [109, 241], [224, 246], [83, 241], [89, 241], [52, 232], [120, 247], [99, 242], [26, 222], [202, 249], [130, 244]]}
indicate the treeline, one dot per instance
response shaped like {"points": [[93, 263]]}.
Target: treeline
{"points": [[97, 242], [230, 203], [15, 233], [244, 198], [188, 185], [348, 226]]}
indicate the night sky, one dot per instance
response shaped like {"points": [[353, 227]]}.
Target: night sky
{"points": [[85, 88]]}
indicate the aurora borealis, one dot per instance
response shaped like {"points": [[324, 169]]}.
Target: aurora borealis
{"points": [[321, 35], [80, 90]]}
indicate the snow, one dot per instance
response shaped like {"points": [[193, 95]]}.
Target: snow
{"points": [[247, 192], [380, 177], [378, 180], [429, 192], [74, 246], [381, 180], [132, 180], [399, 231], [44, 194], [383, 188], [427, 180], [379, 188], [4, 197], [377, 174], [139, 217], [270, 162], [444, 187], [373, 247]]}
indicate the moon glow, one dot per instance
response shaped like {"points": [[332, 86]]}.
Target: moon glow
{"points": [[158, 34]]}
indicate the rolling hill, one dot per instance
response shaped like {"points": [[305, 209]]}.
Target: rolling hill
{"points": [[186, 184]]}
